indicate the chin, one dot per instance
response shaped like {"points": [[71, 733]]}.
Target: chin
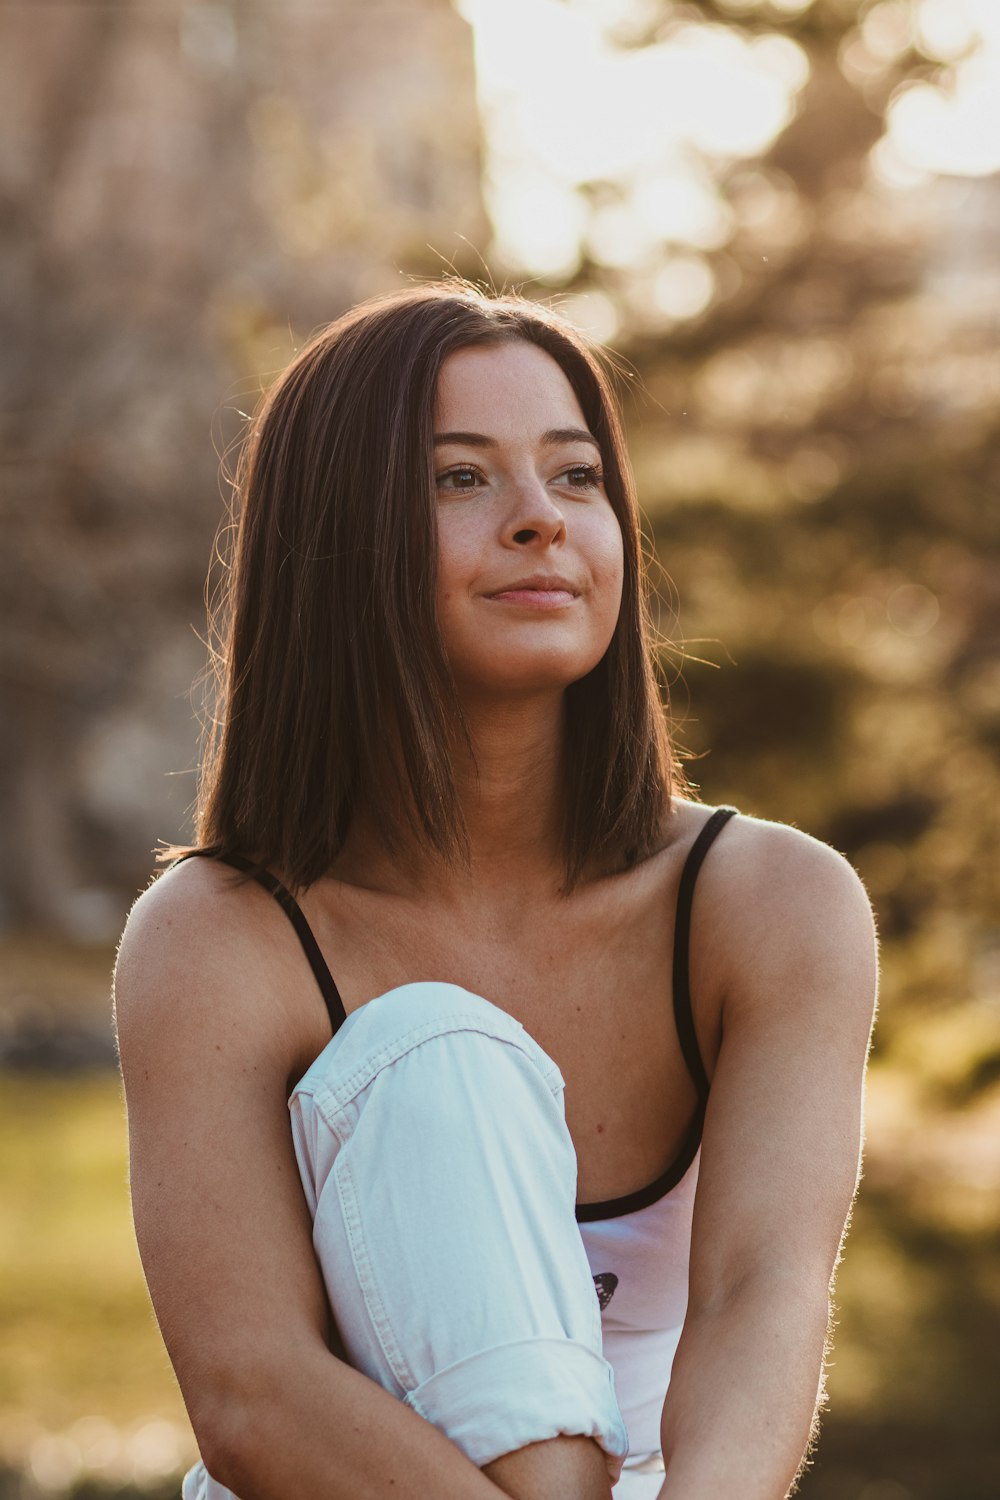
{"points": [[520, 674]]}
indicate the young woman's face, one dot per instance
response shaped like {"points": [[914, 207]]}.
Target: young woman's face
{"points": [[530, 550]]}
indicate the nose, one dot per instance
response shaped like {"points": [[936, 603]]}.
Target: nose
{"points": [[534, 518]]}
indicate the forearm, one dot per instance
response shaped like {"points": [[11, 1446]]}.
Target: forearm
{"points": [[743, 1395]]}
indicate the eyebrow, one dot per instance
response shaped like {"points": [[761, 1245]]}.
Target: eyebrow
{"points": [[550, 439]]}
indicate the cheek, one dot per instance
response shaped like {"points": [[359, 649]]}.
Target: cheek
{"points": [[455, 564], [457, 570], [607, 561]]}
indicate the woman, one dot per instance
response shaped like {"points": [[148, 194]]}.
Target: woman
{"points": [[440, 729]]}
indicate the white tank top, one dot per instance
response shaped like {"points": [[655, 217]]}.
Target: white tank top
{"points": [[639, 1262]]}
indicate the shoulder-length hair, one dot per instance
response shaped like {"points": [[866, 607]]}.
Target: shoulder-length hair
{"points": [[333, 686]]}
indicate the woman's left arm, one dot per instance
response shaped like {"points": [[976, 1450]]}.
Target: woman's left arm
{"points": [[793, 955]]}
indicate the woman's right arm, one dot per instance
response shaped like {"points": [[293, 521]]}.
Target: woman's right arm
{"points": [[211, 1028]]}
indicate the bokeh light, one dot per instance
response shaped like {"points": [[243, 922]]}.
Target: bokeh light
{"points": [[565, 106]]}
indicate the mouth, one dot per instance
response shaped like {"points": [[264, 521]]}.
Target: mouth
{"points": [[541, 591]]}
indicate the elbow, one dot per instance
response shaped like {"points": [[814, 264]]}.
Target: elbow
{"points": [[229, 1430], [250, 1411], [221, 1449]]}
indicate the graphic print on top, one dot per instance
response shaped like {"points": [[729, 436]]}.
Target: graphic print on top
{"points": [[605, 1283]]}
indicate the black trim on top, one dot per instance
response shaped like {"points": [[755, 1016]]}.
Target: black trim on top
{"points": [[683, 1009], [295, 914], [630, 1203]]}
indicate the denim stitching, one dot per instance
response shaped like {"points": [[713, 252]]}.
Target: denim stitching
{"points": [[366, 1275]]}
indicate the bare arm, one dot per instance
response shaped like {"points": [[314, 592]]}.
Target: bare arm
{"points": [[779, 1166], [212, 1025]]}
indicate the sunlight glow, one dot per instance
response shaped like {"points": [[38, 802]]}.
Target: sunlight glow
{"points": [[571, 114], [740, 8], [564, 107], [684, 287], [954, 127], [592, 312]]}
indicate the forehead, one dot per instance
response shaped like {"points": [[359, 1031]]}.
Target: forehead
{"points": [[509, 390]]}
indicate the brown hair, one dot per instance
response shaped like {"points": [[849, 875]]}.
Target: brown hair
{"points": [[333, 687]]}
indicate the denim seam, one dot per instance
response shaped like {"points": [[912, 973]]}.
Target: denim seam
{"points": [[309, 1119], [367, 1280]]}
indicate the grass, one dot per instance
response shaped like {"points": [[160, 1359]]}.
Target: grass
{"points": [[78, 1334]]}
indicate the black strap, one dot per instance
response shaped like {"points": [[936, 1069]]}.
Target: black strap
{"points": [[683, 1014], [295, 914], [615, 1208]]}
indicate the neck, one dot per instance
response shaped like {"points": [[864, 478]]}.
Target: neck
{"points": [[509, 789], [509, 793]]}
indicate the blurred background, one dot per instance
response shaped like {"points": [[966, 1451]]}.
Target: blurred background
{"points": [[784, 218]]}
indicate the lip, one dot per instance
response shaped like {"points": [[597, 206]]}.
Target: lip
{"points": [[549, 585]]}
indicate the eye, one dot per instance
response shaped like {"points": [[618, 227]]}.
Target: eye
{"points": [[465, 477], [583, 477]]}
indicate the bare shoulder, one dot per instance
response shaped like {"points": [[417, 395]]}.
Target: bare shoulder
{"points": [[768, 864], [208, 958], [783, 906], [199, 902], [194, 923]]}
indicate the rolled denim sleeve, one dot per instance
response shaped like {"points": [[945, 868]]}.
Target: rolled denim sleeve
{"points": [[434, 1153]]}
